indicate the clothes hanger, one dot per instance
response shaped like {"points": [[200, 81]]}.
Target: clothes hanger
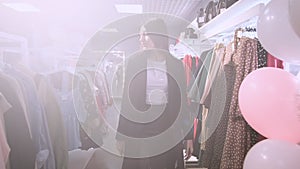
{"points": [[237, 37]]}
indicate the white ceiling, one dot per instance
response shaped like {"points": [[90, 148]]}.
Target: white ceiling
{"points": [[70, 23]]}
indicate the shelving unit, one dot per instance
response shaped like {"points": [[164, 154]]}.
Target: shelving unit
{"points": [[240, 12]]}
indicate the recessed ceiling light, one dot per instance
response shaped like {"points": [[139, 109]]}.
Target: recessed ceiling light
{"points": [[21, 7], [129, 8], [110, 30]]}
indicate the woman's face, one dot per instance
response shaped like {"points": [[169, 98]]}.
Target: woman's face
{"points": [[145, 40]]}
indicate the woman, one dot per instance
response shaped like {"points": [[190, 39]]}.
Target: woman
{"points": [[154, 117]]}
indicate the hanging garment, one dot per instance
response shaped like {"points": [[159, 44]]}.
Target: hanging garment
{"points": [[116, 88], [4, 147], [217, 105], [196, 92], [91, 119], [86, 112], [274, 62], [55, 121], [23, 153], [103, 95], [63, 88], [38, 121], [213, 154], [187, 62], [240, 136], [262, 56], [213, 70], [217, 140], [195, 107]]}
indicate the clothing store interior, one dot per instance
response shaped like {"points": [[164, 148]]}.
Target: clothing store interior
{"points": [[220, 90]]}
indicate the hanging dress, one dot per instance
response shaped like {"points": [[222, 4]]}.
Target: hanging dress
{"points": [[240, 137]]}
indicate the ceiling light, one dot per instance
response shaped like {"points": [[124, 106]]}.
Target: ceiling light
{"points": [[109, 30], [129, 8], [21, 7]]}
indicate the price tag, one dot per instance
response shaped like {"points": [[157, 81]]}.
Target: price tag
{"points": [[222, 10], [201, 19]]}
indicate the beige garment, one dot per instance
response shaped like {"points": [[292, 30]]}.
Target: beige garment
{"points": [[4, 147], [203, 136], [55, 122], [104, 92], [21, 98], [214, 67], [229, 54]]}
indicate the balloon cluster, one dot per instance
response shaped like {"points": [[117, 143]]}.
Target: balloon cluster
{"points": [[278, 29], [269, 98]]}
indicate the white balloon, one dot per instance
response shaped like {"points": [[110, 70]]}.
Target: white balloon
{"points": [[273, 154], [294, 11], [276, 34]]}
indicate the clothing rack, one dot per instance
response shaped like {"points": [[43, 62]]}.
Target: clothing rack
{"points": [[21, 46]]}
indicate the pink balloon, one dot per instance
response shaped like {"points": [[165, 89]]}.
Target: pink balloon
{"points": [[269, 101], [273, 154], [275, 31]]}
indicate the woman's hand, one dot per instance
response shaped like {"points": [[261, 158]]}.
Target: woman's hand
{"points": [[189, 149]]}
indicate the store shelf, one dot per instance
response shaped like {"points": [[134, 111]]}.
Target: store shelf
{"points": [[7, 36], [238, 13], [13, 43]]}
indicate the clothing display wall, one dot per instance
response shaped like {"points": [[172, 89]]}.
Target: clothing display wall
{"points": [[224, 136]]}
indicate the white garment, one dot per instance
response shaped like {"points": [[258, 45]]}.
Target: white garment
{"points": [[157, 83], [79, 159], [4, 147]]}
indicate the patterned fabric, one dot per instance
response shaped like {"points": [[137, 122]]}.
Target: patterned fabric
{"points": [[240, 136], [214, 145], [91, 120], [262, 55]]}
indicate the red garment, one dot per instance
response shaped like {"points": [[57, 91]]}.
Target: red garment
{"points": [[188, 63], [195, 128], [197, 61], [187, 60], [274, 62]]}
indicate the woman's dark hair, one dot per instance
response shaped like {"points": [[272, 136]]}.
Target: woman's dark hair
{"points": [[157, 30]]}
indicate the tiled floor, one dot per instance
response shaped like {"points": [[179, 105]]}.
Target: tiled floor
{"points": [[109, 148]]}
